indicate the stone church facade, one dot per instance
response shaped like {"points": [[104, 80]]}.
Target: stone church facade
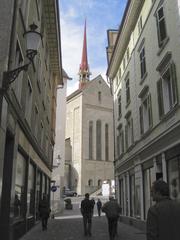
{"points": [[89, 128]]}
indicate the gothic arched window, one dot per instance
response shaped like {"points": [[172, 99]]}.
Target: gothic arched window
{"points": [[98, 140], [91, 140], [106, 142]]}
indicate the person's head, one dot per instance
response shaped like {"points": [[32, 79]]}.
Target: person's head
{"points": [[111, 198], [159, 190], [87, 195]]}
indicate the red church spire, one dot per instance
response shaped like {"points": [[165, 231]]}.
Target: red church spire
{"points": [[84, 60], [84, 68]]}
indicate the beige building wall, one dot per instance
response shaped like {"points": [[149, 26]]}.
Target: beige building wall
{"points": [[81, 109], [150, 152]]}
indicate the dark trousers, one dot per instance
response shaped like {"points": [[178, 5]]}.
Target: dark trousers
{"points": [[44, 221], [99, 212], [112, 224], [87, 225]]}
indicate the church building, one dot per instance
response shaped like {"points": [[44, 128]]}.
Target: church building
{"points": [[89, 132]]}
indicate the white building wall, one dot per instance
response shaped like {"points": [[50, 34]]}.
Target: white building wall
{"points": [[140, 156], [59, 149]]}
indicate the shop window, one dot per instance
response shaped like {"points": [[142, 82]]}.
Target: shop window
{"points": [[148, 178], [174, 178], [19, 186], [132, 195], [121, 192], [30, 190], [38, 189]]}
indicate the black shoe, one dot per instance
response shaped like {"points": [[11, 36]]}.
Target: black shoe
{"points": [[90, 234]]}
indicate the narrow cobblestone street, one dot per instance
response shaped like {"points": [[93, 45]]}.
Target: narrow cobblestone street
{"points": [[68, 226]]}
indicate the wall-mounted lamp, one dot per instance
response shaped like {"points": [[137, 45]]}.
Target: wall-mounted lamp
{"points": [[32, 38]]}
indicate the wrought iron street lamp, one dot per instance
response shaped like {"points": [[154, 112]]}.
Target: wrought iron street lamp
{"points": [[33, 39]]}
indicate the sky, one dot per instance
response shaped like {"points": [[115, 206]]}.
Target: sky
{"points": [[100, 15]]}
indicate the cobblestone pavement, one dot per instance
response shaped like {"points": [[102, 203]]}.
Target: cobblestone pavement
{"points": [[69, 226]]}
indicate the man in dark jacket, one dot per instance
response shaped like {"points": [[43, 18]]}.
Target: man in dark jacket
{"points": [[99, 207], [87, 213], [112, 210], [44, 211], [164, 217]]}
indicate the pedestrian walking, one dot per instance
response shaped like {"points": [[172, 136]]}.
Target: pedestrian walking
{"points": [[87, 213], [112, 210], [93, 202], [44, 211], [164, 217], [99, 207]]}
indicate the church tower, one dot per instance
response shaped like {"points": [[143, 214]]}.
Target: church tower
{"points": [[84, 72]]}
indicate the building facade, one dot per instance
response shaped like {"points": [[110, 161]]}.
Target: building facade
{"points": [[27, 111], [89, 137], [57, 201], [144, 74]]}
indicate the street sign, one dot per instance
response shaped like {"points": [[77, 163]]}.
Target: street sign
{"points": [[53, 188]]}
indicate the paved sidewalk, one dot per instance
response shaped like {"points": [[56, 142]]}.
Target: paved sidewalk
{"points": [[72, 229]]}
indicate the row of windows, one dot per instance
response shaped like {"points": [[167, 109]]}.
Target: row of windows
{"points": [[90, 183], [167, 100], [162, 38], [98, 140]]}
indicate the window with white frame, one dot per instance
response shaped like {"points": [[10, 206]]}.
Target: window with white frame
{"points": [[142, 62], [120, 140], [145, 112], [127, 91], [167, 89], [161, 25], [129, 135]]}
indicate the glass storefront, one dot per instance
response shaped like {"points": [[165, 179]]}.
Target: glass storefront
{"points": [[30, 190], [132, 195], [174, 177], [19, 186], [148, 178]]}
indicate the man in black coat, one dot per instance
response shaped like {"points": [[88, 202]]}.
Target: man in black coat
{"points": [[44, 211], [112, 210], [87, 213], [163, 218]]}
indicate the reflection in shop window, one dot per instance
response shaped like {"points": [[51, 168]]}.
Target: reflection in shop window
{"points": [[137, 202], [38, 183], [30, 190], [19, 186], [174, 178], [148, 180]]}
